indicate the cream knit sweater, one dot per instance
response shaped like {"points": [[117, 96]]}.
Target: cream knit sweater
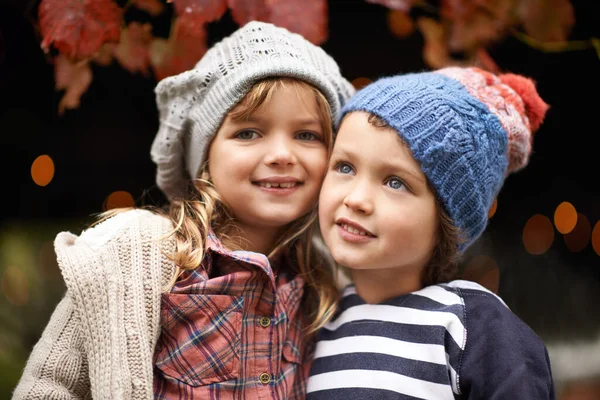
{"points": [[100, 340]]}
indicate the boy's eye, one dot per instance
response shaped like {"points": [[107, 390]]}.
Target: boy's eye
{"points": [[246, 134], [308, 136], [395, 183], [344, 168]]}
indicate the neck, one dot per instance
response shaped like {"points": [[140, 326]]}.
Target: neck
{"points": [[248, 238], [375, 286]]}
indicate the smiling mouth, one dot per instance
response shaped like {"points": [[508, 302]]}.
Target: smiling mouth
{"points": [[273, 185], [354, 230]]}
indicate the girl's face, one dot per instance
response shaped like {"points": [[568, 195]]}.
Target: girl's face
{"points": [[268, 169], [376, 210]]}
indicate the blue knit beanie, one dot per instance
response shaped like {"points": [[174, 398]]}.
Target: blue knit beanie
{"points": [[466, 127]]}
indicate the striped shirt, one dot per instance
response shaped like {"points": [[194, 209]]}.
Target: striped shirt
{"points": [[447, 341], [232, 333]]}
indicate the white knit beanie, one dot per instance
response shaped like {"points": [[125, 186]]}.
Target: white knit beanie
{"points": [[193, 104]]}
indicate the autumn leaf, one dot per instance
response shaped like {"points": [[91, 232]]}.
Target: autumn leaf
{"points": [[307, 17], [201, 11], [400, 23], [133, 52], [547, 20], [244, 11], [74, 78], [401, 5], [152, 7], [78, 28]]}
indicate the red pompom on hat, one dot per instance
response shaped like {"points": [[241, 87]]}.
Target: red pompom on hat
{"points": [[535, 107]]}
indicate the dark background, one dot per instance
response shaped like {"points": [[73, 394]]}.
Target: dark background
{"points": [[104, 145]]}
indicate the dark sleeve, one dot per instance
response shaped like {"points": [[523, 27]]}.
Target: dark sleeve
{"points": [[503, 357]]}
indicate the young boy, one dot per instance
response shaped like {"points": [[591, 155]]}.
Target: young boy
{"points": [[416, 165]]}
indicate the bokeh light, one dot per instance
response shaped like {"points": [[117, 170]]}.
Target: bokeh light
{"points": [[359, 83], [119, 199], [15, 286], [538, 234], [579, 237], [565, 217], [42, 170], [493, 208], [47, 261], [483, 270], [400, 23], [596, 238]]}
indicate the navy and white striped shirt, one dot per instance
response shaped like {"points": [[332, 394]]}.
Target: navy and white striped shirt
{"points": [[454, 340]]}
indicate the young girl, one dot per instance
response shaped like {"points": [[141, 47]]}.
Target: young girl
{"points": [[416, 165], [218, 298]]}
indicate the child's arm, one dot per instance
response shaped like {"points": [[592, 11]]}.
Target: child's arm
{"points": [[503, 357], [57, 367]]}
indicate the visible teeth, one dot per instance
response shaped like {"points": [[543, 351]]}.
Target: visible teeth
{"points": [[354, 230], [269, 185]]}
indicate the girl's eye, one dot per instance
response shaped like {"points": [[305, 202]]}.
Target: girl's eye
{"points": [[308, 136], [344, 168], [246, 135], [395, 183]]}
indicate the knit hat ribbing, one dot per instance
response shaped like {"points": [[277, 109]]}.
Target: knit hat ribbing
{"points": [[193, 104], [466, 127]]}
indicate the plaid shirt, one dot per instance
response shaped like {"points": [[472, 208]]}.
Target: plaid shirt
{"points": [[236, 334]]}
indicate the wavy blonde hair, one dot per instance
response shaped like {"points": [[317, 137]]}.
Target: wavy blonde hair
{"points": [[202, 210]]}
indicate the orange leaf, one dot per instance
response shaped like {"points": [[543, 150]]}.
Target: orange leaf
{"points": [[133, 52], [401, 5], [78, 28], [547, 20], [75, 78], [400, 23], [307, 17], [244, 11], [201, 11], [185, 47], [152, 7]]}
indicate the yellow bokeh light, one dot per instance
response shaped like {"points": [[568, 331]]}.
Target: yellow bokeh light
{"points": [[538, 234], [359, 83], [596, 238], [579, 237], [119, 199], [400, 23], [565, 217], [15, 286], [42, 170], [493, 208]]}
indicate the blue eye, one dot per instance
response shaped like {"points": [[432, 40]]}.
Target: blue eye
{"points": [[395, 183], [246, 134], [344, 168], [308, 136]]}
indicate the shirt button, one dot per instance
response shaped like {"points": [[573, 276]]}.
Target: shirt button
{"points": [[264, 378], [265, 322]]}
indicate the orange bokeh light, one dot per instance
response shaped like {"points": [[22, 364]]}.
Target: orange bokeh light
{"points": [[596, 238], [42, 170], [493, 208], [15, 286], [359, 83], [579, 237], [565, 217], [538, 234], [119, 199]]}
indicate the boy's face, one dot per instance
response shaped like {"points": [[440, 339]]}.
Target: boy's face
{"points": [[376, 210]]}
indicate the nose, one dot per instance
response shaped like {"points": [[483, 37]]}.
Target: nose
{"points": [[359, 199], [280, 151]]}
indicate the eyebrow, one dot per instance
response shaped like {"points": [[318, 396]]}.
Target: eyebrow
{"points": [[299, 121], [386, 165]]}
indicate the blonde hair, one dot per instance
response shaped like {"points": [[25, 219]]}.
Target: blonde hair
{"points": [[202, 210]]}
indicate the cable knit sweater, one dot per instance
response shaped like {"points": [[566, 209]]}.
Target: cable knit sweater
{"points": [[100, 340]]}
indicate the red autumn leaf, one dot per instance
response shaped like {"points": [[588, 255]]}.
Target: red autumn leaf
{"points": [[547, 20], [402, 5], [74, 77], [201, 11], [400, 23], [78, 28], [307, 17], [133, 52], [152, 7], [244, 11], [185, 47]]}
